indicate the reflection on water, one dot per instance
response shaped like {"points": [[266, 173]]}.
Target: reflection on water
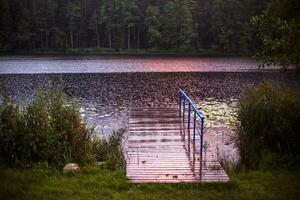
{"points": [[104, 122], [101, 64]]}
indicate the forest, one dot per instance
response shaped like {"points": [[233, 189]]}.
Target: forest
{"points": [[235, 26], [224, 25]]}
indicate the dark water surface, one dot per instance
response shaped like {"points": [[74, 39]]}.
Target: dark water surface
{"points": [[106, 98], [112, 86]]}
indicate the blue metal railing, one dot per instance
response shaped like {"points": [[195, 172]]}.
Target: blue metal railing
{"points": [[198, 120]]}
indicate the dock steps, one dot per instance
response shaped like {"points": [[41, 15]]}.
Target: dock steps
{"points": [[156, 151]]}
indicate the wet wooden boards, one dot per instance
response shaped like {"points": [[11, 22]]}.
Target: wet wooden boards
{"points": [[157, 152]]}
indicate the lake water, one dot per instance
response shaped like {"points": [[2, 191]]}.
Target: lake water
{"points": [[107, 87], [100, 64]]}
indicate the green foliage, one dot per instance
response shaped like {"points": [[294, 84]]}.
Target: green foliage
{"points": [[106, 15], [268, 121], [187, 29], [109, 152], [226, 25], [131, 12], [46, 130], [169, 30], [229, 163], [271, 160], [89, 50], [50, 130], [131, 16], [153, 24], [279, 31], [73, 15], [176, 25]]}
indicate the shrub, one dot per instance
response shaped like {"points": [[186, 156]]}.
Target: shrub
{"points": [[268, 121], [46, 130], [110, 151]]}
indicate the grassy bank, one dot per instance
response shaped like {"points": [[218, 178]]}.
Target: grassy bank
{"points": [[43, 183]]}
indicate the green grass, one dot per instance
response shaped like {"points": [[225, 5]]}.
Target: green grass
{"points": [[42, 183]]}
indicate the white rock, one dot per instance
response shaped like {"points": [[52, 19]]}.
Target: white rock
{"points": [[71, 167]]}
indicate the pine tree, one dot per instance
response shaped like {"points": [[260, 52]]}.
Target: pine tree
{"points": [[153, 24], [107, 18], [169, 25], [131, 17], [187, 29], [73, 14]]}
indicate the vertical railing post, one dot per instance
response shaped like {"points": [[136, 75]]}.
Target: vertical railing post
{"points": [[179, 102], [183, 116], [194, 132], [183, 110], [189, 125], [194, 138], [180, 105], [189, 116], [201, 144]]}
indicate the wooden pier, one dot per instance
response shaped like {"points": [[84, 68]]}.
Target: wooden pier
{"points": [[159, 149]]}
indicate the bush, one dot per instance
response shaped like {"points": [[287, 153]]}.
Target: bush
{"points": [[46, 130], [268, 121], [89, 50], [110, 151]]}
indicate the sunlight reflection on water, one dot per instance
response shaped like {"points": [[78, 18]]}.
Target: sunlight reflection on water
{"points": [[101, 64]]}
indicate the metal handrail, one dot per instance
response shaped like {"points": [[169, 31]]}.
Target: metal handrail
{"points": [[183, 100]]}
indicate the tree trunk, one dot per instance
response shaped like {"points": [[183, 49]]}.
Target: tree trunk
{"points": [[72, 39], [122, 38], [128, 38], [109, 38], [138, 38], [46, 38], [33, 44], [134, 32], [98, 39], [97, 31], [42, 39], [29, 45]]}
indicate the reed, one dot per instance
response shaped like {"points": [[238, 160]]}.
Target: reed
{"points": [[50, 129], [268, 121]]}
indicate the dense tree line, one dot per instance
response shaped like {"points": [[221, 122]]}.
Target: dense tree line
{"points": [[30, 25]]}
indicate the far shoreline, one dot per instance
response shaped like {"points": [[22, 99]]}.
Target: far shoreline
{"points": [[126, 53]]}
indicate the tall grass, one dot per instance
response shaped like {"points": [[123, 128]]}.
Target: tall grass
{"points": [[269, 123], [109, 152], [46, 130], [51, 130]]}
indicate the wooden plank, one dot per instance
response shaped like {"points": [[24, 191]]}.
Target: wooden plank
{"points": [[156, 152]]}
